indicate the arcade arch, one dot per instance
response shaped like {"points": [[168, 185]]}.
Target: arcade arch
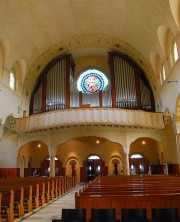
{"points": [[80, 148], [73, 155], [33, 153], [145, 152]]}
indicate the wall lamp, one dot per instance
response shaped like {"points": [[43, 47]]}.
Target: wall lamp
{"points": [[170, 81]]}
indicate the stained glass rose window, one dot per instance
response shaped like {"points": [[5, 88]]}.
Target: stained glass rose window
{"points": [[92, 81]]}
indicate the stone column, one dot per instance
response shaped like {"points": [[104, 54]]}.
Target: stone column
{"points": [[52, 163], [126, 161]]}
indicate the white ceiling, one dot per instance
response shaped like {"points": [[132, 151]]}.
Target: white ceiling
{"points": [[39, 30]]}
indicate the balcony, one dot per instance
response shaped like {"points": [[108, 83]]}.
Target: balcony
{"points": [[89, 117]]}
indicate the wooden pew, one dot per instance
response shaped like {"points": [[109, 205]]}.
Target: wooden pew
{"points": [[129, 192], [27, 203], [7, 205], [23, 195]]}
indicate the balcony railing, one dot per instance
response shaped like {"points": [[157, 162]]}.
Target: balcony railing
{"points": [[90, 116]]}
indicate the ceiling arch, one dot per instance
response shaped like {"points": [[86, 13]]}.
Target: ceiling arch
{"points": [[38, 31], [84, 46]]}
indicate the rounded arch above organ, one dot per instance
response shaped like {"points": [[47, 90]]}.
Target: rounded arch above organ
{"points": [[125, 86]]}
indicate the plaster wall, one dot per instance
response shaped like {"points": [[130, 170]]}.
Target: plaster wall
{"points": [[98, 62], [8, 150], [9, 103], [170, 91]]}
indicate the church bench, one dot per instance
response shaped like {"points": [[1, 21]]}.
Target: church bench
{"points": [[35, 192], [7, 205], [22, 199], [31, 193], [129, 192], [118, 202]]}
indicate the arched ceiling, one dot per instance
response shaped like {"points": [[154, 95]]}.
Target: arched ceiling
{"points": [[40, 30]]}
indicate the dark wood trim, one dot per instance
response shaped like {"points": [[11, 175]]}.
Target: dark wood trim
{"points": [[44, 86], [68, 68], [80, 99], [100, 99], [138, 93], [31, 105], [113, 90]]}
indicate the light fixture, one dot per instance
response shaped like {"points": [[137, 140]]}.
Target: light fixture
{"points": [[170, 81]]}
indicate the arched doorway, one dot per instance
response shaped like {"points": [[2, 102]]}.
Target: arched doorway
{"points": [[45, 167], [21, 166], [93, 166], [138, 164]]}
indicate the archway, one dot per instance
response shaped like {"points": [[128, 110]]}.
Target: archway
{"points": [[21, 163], [146, 152], [45, 167], [115, 166], [94, 166], [138, 164]]}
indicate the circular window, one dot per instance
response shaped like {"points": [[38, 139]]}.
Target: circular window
{"points": [[92, 81]]}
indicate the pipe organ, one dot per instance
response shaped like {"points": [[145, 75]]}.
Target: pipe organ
{"points": [[131, 88], [56, 88]]}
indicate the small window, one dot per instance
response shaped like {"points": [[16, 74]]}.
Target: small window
{"points": [[162, 74], [136, 156], [12, 81], [48, 158], [93, 157], [175, 52]]}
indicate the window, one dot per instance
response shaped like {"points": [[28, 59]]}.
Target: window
{"points": [[12, 81], [92, 81], [48, 158], [162, 74], [136, 156], [175, 52], [93, 157]]}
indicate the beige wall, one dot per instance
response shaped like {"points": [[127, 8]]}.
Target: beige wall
{"points": [[98, 62], [33, 152], [8, 150]]}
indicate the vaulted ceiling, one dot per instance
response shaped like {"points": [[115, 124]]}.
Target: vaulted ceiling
{"points": [[40, 30]]}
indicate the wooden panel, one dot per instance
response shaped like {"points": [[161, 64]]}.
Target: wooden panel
{"points": [[9, 172]]}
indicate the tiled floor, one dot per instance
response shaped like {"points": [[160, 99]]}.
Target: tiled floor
{"points": [[53, 210]]}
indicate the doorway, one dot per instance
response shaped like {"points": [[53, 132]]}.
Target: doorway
{"points": [[45, 167], [138, 164], [94, 167]]}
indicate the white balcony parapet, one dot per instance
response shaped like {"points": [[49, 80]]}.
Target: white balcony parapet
{"points": [[91, 116]]}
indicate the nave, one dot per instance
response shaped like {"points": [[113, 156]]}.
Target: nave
{"points": [[53, 210]]}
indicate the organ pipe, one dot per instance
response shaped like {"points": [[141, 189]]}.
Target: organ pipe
{"points": [[56, 88], [127, 86]]}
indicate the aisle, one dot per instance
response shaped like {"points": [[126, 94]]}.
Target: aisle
{"points": [[53, 210]]}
